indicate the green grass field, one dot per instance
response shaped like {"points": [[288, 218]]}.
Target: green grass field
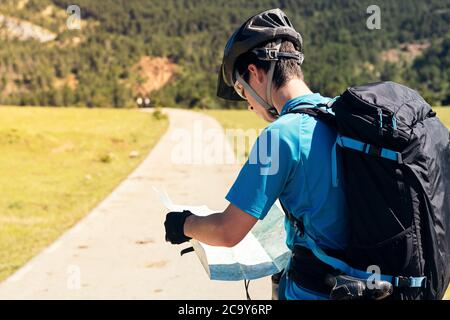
{"points": [[243, 119], [56, 164]]}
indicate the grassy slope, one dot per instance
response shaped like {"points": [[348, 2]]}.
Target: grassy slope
{"points": [[56, 165], [243, 119]]}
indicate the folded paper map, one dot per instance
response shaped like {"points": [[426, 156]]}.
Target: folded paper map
{"points": [[261, 253]]}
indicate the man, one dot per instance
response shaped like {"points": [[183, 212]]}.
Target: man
{"points": [[262, 65]]}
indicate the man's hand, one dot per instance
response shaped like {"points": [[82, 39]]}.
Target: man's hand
{"points": [[174, 225], [224, 229]]}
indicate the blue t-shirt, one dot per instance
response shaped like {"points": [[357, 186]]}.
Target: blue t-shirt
{"points": [[291, 160]]}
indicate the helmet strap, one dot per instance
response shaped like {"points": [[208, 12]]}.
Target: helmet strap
{"points": [[270, 76], [271, 109], [268, 105]]}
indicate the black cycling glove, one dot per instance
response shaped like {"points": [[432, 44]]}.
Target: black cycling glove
{"points": [[174, 225]]}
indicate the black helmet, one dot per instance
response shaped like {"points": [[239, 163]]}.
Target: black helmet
{"points": [[263, 27]]}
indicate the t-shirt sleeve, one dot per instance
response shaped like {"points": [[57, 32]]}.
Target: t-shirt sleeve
{"points": [[265, 174]]}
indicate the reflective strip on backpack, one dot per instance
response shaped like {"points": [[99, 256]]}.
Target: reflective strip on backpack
{"points": [[357, 145]]}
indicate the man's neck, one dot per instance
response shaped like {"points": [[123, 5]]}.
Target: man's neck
{"points": [[293, 89]]}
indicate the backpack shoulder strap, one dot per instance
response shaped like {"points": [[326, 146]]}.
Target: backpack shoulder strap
{"points": [[318, 113]]}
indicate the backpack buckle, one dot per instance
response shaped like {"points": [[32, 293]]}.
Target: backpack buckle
{"points": [[402, 282], [410, 282], [372, 150]]}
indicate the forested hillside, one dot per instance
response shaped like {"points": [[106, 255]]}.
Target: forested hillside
{"points": [[94, 66]]}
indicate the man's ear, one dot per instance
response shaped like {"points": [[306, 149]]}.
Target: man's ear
{"points": [[261, 75], [258, 74]]}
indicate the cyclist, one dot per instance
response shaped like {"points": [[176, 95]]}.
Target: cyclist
{"points": [[262, 65]]}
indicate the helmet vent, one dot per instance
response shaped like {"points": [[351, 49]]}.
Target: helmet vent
{"points": [[275, 19], [288, 21]]}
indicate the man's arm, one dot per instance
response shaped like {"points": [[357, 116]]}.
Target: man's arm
{"points": [[225, 229]]}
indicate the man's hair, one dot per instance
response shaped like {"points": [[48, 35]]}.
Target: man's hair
{"points": [[285, 69]]}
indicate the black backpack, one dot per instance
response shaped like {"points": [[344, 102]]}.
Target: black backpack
{"points": [[395, 157]]}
